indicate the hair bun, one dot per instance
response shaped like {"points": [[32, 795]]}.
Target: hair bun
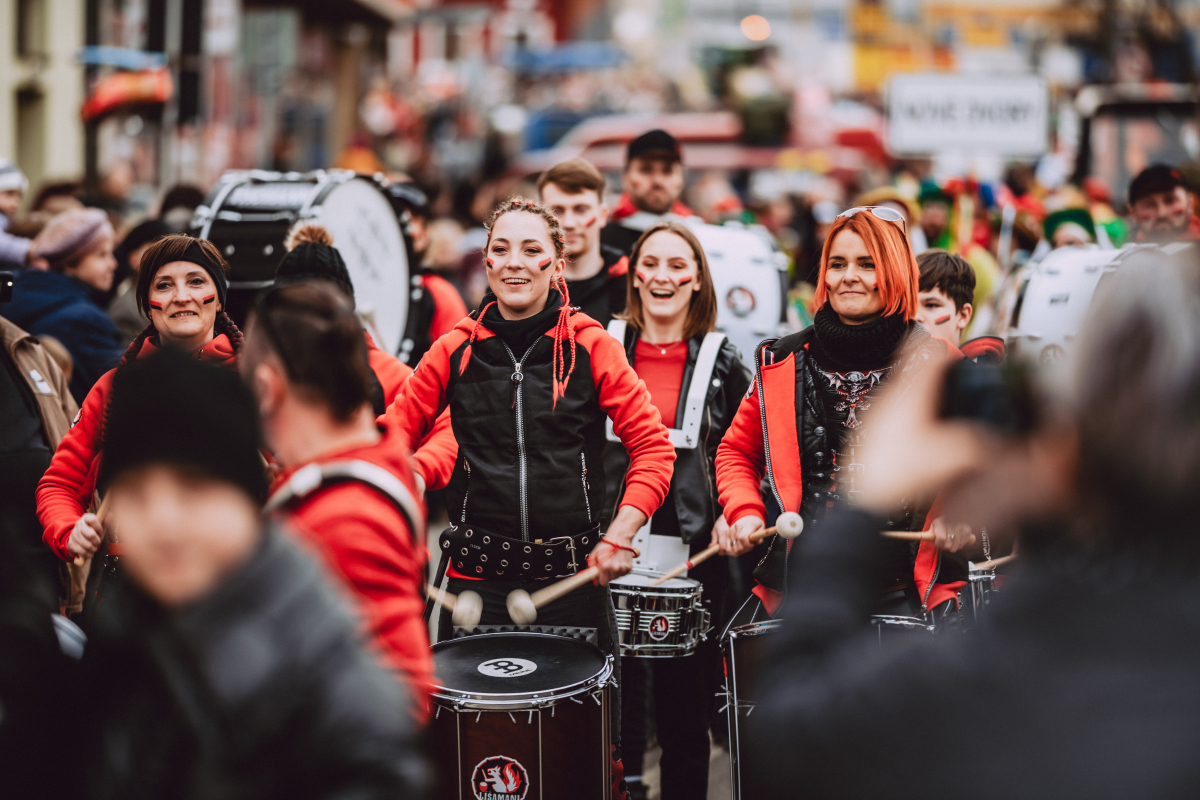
{"points": [[308, 232]]}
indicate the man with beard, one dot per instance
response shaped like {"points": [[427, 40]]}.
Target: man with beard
{"points": [[652, 184], [1161, 207], [574, 192]]}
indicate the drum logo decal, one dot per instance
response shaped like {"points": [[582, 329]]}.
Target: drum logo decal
{"points": [[500, 778], [660, 628], [506, 667]]}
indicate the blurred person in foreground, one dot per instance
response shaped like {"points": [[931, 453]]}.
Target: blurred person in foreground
{"points": [[1161, 207], [78, 245], [435, 306], [802, 422], [223, 665], [651, 184], [573, 190], [1083, 670], [13, 184], [346, 483]]}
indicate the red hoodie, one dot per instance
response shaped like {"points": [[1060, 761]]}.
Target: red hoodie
{"points": [[65, 492], [437, 452], [363, 538]]}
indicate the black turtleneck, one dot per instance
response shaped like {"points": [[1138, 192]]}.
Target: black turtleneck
{"points": [[844, 348], [520, 334]]}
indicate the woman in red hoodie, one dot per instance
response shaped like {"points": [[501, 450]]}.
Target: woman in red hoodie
{"points": [[347, 484], [530, 384], [181, 288]]}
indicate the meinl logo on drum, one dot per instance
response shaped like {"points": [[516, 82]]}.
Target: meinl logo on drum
{"points": [[500, 778]]}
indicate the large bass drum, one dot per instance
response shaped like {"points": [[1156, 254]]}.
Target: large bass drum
{"points": [[1042, 317], [248, 215]]}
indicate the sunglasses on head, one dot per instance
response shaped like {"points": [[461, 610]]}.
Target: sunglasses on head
{"points": [[881, 212]]}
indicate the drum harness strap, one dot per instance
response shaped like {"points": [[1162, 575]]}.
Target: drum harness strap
{"points": [[311, 477]]}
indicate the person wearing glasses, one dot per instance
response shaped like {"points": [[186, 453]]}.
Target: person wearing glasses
{"points": [[801, 423]]}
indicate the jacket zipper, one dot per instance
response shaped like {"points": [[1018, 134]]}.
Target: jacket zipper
{"points": [[583, 477], [467, 491], [937, 567], [762, 413], [522, 465]]}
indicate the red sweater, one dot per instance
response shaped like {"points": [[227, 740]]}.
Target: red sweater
{"points": [[362, 537], [448, 306], [65, 492], [663, 374]]}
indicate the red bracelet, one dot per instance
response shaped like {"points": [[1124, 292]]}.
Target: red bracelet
{"points": [[618, 546]]}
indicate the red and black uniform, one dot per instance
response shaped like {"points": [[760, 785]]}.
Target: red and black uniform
{"points": [[434, 309], [691, 508], [374, 543], [799, 427], [603, 295], [66, 490]]}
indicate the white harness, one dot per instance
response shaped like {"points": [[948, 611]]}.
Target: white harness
{"points": [[661, 553]]}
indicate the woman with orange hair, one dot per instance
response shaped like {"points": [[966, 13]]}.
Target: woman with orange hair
{"points": [[799, 426]]}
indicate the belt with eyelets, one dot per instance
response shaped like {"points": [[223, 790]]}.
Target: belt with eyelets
{"points": [[477, 553]]}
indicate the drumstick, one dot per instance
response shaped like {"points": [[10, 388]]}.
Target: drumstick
{"points": [[101, 512], [789, 526], [996, 562], [910, 536], [523, 606], [465, 609]]}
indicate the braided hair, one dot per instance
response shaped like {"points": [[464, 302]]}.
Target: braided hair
{"points": [[564, 329]]}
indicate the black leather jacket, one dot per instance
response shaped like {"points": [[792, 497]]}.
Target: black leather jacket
{"points": [[262, 689], [694, 483]]}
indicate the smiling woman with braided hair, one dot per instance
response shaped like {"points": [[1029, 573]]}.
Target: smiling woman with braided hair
{"points": [[530, 382], [181, 289]]}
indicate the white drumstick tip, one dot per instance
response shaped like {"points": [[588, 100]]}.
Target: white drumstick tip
{"points": [[789, 525], [468, 609], [521, 608]]}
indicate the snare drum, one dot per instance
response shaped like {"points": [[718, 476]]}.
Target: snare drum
{"points": [[664, 621], [890, 628], [742, 650], [521, 716], [983, 586]]}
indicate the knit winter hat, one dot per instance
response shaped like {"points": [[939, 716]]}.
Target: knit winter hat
{"points": [[312, 256], [71, 234], [167, 408], [11, 176]]}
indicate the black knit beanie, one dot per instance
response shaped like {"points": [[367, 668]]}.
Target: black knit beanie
{"points": [[169, 408], [311, 260]]}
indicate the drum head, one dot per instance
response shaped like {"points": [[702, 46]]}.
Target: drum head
{"points": [[366, 233], [514, 664], [636, 580]]}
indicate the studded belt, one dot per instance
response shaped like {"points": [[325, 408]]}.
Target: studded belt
{"points": [[477, 553]]}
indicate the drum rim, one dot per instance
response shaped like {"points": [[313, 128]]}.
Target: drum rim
{"points": [[695, 586], [507, 701], [758, 628]]}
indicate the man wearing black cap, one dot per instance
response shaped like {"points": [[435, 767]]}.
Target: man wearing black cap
{"points": [[652, 184], [226, 666], [1161, 206]]}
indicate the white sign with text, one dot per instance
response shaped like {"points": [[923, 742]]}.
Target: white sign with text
{"points": [[930, 114]]}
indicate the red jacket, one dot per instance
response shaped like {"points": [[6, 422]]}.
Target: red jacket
{"points": [[363, 538], [626, 208], [65, 491], [448, 306], [619, 393], [741, 466], [436, 452]]}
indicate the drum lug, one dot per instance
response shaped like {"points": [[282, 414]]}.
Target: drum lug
{"points": [[635, 618]]}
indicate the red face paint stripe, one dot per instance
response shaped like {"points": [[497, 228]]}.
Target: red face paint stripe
{"points": [[543, 265], [684, 281], [491, 264], [156, 306], [590, 222], [942, 320], [209, 299], [642, 276]]}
